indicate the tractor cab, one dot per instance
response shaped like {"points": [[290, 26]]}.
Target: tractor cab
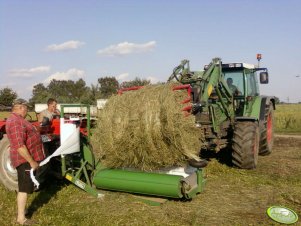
{"points": [[241, 79], [244, 77]]}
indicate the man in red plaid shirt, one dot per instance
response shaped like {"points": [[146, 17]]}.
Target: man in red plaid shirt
{"points": [[26, 150]]}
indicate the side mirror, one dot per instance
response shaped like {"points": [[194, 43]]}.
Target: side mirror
{"points": [[264, 77]]}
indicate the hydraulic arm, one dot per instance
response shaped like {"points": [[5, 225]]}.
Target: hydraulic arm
{"points": [[210, 93]]}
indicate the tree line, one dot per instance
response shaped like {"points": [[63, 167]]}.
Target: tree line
{"points": [[68, 91]]}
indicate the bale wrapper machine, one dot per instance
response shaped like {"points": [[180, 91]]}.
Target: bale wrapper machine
{"points": [[90, 175], [69, 140]]}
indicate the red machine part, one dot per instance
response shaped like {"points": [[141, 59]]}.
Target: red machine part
{"points": [[2, 125], [55, 126], [188, 99], [2, 128], [121, 91]]}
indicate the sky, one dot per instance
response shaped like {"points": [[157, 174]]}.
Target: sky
{"points": [[89, 39]]}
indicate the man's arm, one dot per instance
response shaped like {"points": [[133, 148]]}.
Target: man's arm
{"points": [[57, 112], [237, 92], [42, 117], [25, 154]]}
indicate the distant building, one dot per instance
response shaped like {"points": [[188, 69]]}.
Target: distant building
{"points": [[70, 110], [4, 108]]}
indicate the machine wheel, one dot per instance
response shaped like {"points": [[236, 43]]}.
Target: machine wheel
{"points": [[245, 145], [267, 131], [8, 174]]}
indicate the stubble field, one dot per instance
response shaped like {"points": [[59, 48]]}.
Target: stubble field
{"points": [[231, 196]]}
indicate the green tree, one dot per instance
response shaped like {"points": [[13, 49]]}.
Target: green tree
{"points": [[87, 97], [64, 91], [91, 95], [67, 91], [40, 94], [108, 86], [95, 91], [7, 96], [60, 90], [79, 90], [136, 82]]}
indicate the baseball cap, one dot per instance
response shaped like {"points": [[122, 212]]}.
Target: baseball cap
{"points": [[21, 101]]}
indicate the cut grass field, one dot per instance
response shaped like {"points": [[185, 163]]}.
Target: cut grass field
{"points": [[231, 197], [31, 115], [288, 118]]}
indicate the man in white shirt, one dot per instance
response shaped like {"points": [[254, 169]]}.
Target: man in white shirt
{"points": [[47, 114]]}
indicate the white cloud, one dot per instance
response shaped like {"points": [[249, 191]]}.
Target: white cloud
{"points": [[71, 74], [29, 72], [65, 46], [126, 48], [153, 79], [122, 76]]}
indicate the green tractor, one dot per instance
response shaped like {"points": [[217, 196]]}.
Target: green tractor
{"points": [[229, 109]]}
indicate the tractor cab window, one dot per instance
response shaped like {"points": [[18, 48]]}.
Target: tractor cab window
{"points": [[235, 82], [252, 87]]}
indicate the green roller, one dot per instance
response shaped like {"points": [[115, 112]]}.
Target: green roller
{"points": [[156, 184]]}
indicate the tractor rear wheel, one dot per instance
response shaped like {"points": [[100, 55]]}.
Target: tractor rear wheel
{"points": [[245, 145], [267, 131], [8, 174]]}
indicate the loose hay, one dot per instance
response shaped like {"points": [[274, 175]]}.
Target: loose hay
{"points": [[146, 129]]}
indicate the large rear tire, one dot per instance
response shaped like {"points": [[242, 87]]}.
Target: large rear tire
{"points": [[8, 174], [245, 145], [267, 131]]}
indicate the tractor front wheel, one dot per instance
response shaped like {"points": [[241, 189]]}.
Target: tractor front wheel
{"points": [[8, 174], [245, 145], [267, 131]]}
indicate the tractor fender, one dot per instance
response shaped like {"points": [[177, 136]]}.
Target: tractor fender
{"points": [[257, 110], [265, 100]]}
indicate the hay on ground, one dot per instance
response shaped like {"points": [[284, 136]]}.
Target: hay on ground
{"points": [[146, 129]]}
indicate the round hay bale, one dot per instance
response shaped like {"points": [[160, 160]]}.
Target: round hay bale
{"points": [[146, 129]]}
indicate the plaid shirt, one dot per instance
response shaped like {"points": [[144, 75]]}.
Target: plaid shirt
{"points": [[21, 132]]}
